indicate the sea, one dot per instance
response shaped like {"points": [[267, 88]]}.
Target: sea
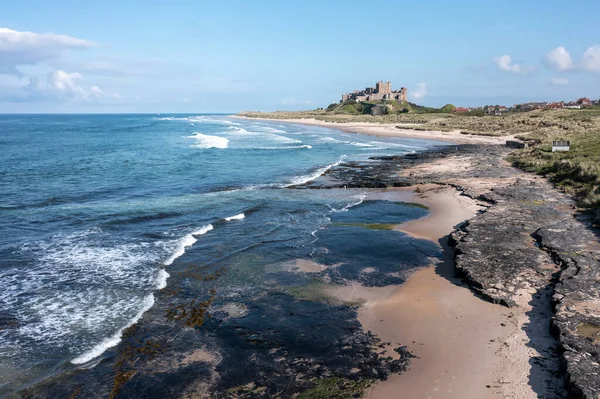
{"points": [[97, 213]]}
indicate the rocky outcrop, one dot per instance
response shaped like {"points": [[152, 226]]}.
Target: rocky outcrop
{"points": [[577, 296]]}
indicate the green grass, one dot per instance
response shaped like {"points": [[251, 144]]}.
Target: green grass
{"points": [[577, 171]]}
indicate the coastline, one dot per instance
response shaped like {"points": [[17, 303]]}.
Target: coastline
{"points": [[391, 131], [466, 344], [453, 333]]}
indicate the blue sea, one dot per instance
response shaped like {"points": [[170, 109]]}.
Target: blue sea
{"points": [[96, 212]]}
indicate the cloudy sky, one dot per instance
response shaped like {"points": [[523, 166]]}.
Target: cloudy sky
{"points": [[213, 56]]}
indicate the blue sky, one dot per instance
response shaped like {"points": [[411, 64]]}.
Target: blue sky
{"points": [[228, 56]]}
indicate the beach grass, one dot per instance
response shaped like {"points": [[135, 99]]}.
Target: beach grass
{"points": [[576, 172], [533, 124]]}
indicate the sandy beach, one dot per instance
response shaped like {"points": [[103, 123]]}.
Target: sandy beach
{"points": [[465, 347], [392, 130]]}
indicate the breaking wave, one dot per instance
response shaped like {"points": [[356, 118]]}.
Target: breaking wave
{"points": [[206, 141], [187, 241], [314, 175], [236, 217]]}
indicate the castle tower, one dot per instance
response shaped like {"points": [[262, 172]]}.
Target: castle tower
{"points": [[383, 87]]}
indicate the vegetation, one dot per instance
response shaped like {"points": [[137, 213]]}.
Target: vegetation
{"points": [[576, 171], [448, 108]]}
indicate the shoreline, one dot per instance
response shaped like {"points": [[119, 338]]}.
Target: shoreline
{"points": [[453, 333], [391, 131]]}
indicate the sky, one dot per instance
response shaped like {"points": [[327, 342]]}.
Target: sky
{"points": [[188, 56]]}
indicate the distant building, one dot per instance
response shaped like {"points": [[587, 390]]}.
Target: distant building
{"points": [[556, 105], [381, 91], [585, 102], [494, 110], [461, 109]]}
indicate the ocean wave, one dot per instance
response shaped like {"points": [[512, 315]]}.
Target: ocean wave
{"points": [[361, 199], [292, 147], [359, 144], [314, 175], [114, 340], [161, 279], [187, 241], [235, 217], [207, 141], [198, 119], [86, 284], [272, 129], [332, 140]]}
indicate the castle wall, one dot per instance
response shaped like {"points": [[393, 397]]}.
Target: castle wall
{"points": [[382, 91]]}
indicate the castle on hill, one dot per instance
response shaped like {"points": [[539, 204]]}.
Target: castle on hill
{"points": [[381, 91]]}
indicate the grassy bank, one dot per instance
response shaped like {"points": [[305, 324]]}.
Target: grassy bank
{"points": [[535, 124]]}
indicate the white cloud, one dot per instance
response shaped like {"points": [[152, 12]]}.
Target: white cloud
{"points": [[28, 48], [66, 83], [559, 59], [560, 81], [185, 100], [98, 94], [420, 91], [591, 59], [504, 63], [65, 86]]}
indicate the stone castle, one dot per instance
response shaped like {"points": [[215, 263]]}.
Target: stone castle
{"points": [[381, 91]]}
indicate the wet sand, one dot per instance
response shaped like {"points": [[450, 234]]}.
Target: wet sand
{"points": [[454, 334], [392, 130]]}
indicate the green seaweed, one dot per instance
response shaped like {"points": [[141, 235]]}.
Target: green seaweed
{"points": [[318, 291], [336, 388], [194, 313]]}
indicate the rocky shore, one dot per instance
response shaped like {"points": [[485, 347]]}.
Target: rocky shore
{"points": [[529, 249]]}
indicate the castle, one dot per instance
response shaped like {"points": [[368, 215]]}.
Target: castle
{"points": [[382, 91]]}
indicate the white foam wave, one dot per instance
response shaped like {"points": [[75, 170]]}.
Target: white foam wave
{"points": [[272, 129], [310, 177], [332, 140], [109, 342], [207, 141], [361, 198], [292, 147], [239, 130], [199, 119], [203, 230], [358, 144], [236, 217], [187, 241], [161, 279]]}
